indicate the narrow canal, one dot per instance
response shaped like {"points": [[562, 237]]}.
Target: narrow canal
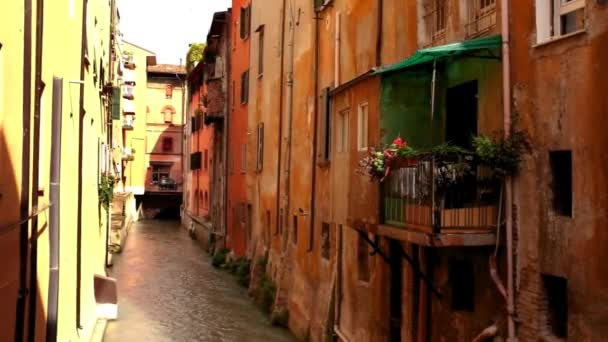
{"points": [[168, 291]]}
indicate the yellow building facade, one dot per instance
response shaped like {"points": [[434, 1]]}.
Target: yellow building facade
{"points": [[82, 65]]}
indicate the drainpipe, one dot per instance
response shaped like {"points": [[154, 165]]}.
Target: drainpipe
{"points": [[54, 213], [279, 219], [81, 114], [35, 171], [506, 87], [313, 190], [337, 51], [25, 170], [290, 106]]}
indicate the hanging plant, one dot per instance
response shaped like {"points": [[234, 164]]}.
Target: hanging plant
{"points": [[106, 190], [500, 155]]}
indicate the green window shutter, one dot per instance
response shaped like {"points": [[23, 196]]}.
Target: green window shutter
{"points": [[116, 103]]}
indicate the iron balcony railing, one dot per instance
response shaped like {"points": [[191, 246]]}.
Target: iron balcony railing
{"points": [[441, 194], [128, 153], [128, 123], [482, 18]]}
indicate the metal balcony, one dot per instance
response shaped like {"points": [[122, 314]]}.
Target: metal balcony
{"points": [[441, 201], [128, 124], [128, 154]]}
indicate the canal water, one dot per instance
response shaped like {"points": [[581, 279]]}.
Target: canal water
{"points": [[168, 291]]}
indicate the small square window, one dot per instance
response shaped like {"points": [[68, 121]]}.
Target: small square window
{"points": [[325, 240], [462, 282], [556, 291], [363, 259], [561, 170]]}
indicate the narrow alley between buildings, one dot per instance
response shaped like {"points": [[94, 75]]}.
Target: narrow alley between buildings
{"points": [[169, 291]]}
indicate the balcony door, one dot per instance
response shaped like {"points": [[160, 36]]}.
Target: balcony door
{"points": [[460, 128], [461, 114]]}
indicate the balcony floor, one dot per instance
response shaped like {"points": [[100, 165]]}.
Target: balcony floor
{"points": [[447, 238]]}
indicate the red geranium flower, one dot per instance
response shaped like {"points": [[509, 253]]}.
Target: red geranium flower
{"points": [[399, 142]]}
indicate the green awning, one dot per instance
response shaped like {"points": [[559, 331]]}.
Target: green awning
{"points": [[445, 51]]}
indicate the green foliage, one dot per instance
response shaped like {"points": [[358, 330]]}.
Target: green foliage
{"points": [[501, 154], [195, 54], [219, 258], [241, 268], [267, 293], [106, 190]]}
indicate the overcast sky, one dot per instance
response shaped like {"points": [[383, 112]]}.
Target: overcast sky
{"points": [[166, 27]]}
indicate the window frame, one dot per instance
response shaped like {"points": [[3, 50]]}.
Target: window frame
{"points": [[260, 32], [548, 19], [245, 22], [363, 127], [167, 141], [245, 87]]}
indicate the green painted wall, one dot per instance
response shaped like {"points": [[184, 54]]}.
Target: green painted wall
{"points": [[405, 103]]}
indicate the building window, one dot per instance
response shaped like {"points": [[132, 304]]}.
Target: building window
{"points": [[362, 127], [435, 18], [482, 17], [244, 158], [324, 127], [260, 148], [294, 237], [342, 132], [167, 144], [206, 200], [260, 31], [556, 294], [168, 91], [245, 21], [561, 170], [159, 172], [195, 161], [362, 259], [462, 282], [325, 240], [555, 18], [311, 238], [245, 87]]}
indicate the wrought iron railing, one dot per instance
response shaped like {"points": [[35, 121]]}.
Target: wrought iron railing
{"points": [[439, 194], [482, 18]]}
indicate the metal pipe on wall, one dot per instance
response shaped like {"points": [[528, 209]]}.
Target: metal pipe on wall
{"points": [[313, 190], [291, 44], [39, 88], [81, 114], [506, 87], [54, 213], [24, 205], [279, 219]]}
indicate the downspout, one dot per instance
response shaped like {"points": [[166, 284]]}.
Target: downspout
{"points": [[226, 130], [25, 170], [506, 87], [279, 219], [39, 87], [313, 190], [81, 114], [291, 44], [54, 213]]}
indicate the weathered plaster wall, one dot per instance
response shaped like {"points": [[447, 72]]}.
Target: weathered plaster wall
{"points": [[559, 99], [237, 134]]}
